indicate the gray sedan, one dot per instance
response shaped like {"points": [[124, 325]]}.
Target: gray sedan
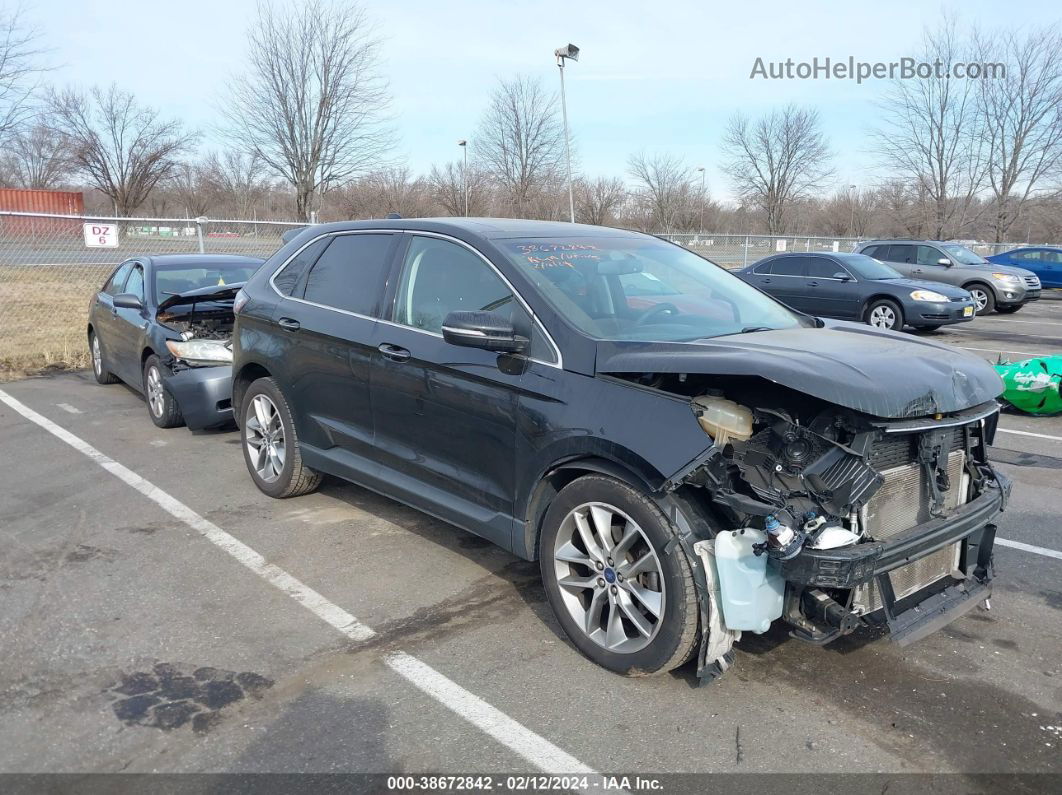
{"points": [[857, 287]]}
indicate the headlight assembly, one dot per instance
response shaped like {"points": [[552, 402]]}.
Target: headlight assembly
{"points": [[929, 295], [1006, 277], [201, 352]]}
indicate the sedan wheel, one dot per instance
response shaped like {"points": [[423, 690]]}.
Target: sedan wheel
{"points": [[162, 408], [99, 365], [264, 437], [610, 577], [885, 315]]}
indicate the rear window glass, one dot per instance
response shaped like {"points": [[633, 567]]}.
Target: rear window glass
{"points": [[350, 273], [287, 279]]}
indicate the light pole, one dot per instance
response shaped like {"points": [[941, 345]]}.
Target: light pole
{"points": [[464, 172], [701, 169], [572, 52], [851, 207]]}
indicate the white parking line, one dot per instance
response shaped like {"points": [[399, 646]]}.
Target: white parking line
{"points": [[1047, 553], [68, 408], [1030, 433], [1007, 350], [518, 738], [1030, 322]]}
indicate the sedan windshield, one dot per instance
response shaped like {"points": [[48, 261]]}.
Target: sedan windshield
{"points": [[641, 288], [963, 254], [867, 267], [177, 279]]}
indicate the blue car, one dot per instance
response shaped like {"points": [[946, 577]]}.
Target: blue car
{"points": [[1044, 261]]}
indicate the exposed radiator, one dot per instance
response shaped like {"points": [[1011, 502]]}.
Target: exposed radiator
{"points": [[901, 503]]}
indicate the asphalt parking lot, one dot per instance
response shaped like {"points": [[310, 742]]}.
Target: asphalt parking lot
{"points": [[136, 638]]}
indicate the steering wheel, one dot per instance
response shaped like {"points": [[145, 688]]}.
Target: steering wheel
{"points": [[657, 309]]}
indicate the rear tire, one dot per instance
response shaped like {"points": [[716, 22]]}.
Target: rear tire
{"points": [[1008, 310], [885, 314], [99, 363], [271, 444], [984, 298], [162, 407], [627, 600]]}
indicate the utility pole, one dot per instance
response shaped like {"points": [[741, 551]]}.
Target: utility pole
{"points": [[562, 53]]}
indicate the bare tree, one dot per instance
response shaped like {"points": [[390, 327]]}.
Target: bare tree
{"points": [[236, 179], [599, 201], [192, 188], [776, 160], [447, 188], [1022, 114], [664, 188], [520, 141], [36, 157], [312, 104], [932, 136], [121, 147], [19, 65]]}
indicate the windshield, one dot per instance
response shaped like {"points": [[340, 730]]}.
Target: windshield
{"points": [[963, 254], [176, 279], [867, 267], [642, 288]]}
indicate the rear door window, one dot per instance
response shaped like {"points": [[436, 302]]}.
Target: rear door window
{"points": [[901, 252], [349, 275], [115, 284], [788, 266]]}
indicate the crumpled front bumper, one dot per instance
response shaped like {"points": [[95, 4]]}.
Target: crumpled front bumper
{"points": [[914, 617], [204, 395], [847, 567]]}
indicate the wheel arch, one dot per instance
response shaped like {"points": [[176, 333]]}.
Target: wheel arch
{"points": [[559, 475], [978, 283], [247, 375], [878, 297]]}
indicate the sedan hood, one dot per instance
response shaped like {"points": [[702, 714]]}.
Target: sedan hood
{"points": [[203, 295], [947, 290], [884, 374]]}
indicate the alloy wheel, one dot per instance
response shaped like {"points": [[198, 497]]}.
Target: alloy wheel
{"points": [[610, 577], [980, 298], [264, 436], [97, 357], [156, 394], [882, 317]]}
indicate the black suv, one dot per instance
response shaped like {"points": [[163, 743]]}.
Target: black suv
{"points": [[686, 464]]}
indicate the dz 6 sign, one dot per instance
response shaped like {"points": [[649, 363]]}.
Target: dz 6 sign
{"points": [[101, 235]]}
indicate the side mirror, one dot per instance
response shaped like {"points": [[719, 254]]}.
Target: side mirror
{"points": [[844, 277], [944, 261], [128, 301], [485, 330]]}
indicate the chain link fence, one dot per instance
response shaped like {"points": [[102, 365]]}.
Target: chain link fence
{"points": [[49, 271]]}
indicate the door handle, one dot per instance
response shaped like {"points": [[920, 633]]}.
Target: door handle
{"points": [[766, 281], [813, 284], [393, 352], [289, 324]]}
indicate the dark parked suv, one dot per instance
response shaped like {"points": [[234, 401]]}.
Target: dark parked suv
{"points": [[686, 463]]}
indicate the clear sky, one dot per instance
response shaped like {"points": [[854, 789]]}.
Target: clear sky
{"points": [[662, 75]]}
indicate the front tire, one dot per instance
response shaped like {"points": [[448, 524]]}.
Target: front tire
{"points": [[984, 299], [162, 408], [623, 595], [99, 364], [271, 445], [885, 314]]}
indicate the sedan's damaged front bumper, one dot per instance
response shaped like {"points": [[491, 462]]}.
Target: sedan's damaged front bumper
{"points": [[204, 395]]}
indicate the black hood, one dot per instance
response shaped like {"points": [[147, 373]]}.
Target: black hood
{"points": [[203, 295], [884, 374]]}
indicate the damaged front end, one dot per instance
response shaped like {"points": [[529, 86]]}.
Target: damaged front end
{"points": [[200, 357], [835, 519]]}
